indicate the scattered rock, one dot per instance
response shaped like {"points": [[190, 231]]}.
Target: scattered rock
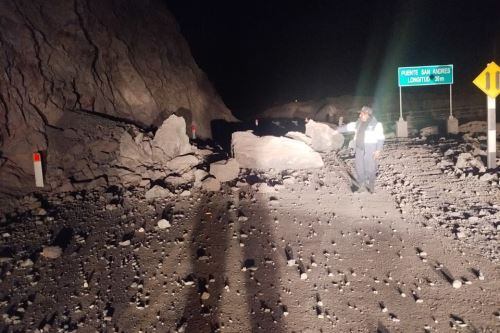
{"points": [[182, 164], [199, 175], [457, 284], [157, 192], [211, 184], [300, 137], [124, 243], [51, 252], [163, 224], [225, 171]]}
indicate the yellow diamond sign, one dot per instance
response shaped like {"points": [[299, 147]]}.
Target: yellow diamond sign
{"points": [[489, 80]]}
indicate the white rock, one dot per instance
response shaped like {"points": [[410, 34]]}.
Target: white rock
{"points": [[181, 164], [430, 130], [264, 188], [457, 284], [163, 224], [170, 140], [488, 177], [51, 252], [225, 171], [199, 175], [211, 184], [27, 263], [124, 243], [299, 136], [323, 137], [157, 192], [271, 152]]}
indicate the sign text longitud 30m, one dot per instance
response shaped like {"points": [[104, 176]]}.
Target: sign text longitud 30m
{"points": [[425, 75]]}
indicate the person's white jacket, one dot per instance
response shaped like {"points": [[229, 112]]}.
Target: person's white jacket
{"points": [[374, 133]]}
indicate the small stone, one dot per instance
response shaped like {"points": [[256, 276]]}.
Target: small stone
{"points": [[125, 243], [457, 284], [205, 295], [163, 224], [27, 263], [51, 252]]}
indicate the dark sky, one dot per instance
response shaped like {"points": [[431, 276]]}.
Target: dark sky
{"points": [[260, 53]]}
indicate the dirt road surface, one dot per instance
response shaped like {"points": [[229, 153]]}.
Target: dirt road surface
{"points": [[282, 252]]}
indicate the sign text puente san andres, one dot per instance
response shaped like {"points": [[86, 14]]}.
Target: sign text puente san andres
{"points": [[425, 75]]}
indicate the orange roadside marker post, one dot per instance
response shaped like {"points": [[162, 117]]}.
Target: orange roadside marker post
{"points": [[193, 131], [37, 164]]}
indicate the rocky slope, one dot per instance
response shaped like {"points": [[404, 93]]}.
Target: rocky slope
{"points": [[121, 60]]}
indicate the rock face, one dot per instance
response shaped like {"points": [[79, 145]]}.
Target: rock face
{"points": [[121, 60], [271, 152], [323, 137]]}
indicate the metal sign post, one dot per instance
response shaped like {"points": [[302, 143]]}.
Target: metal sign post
{"points": [[489, 82], [492, 133]]}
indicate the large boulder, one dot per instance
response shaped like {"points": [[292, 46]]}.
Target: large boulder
{"points": [[323, 137], [171, 140], [270, 152], [299, 136], [62, 57]]}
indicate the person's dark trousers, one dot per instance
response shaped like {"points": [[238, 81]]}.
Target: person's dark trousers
{"points": [[366, 167]]}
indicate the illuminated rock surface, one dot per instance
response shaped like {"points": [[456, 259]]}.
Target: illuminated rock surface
{"points": [[123, 61], [269, 152]]}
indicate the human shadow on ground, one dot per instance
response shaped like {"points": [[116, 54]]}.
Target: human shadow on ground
{"points": [[221, 229]]}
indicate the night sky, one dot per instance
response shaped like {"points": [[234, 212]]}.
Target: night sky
{"points": [[262, 53]]}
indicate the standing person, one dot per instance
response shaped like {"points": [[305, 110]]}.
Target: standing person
{"points": [[369, 140]]}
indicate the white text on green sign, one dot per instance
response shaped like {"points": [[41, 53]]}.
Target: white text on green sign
{"points": [[425, 75]]}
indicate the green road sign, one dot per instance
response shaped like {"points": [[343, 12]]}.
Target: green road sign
{"points": [[425, 75]]}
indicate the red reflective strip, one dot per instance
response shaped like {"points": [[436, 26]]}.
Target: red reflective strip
{"points": [[36, 157]]}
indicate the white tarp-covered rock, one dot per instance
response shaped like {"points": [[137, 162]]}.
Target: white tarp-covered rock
{"points": [[300, 137], [171, 140], [224, 170], [323, 137], [270, 152]]}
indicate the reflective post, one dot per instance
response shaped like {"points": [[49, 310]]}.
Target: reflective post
{"points": [[492, 133]]}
